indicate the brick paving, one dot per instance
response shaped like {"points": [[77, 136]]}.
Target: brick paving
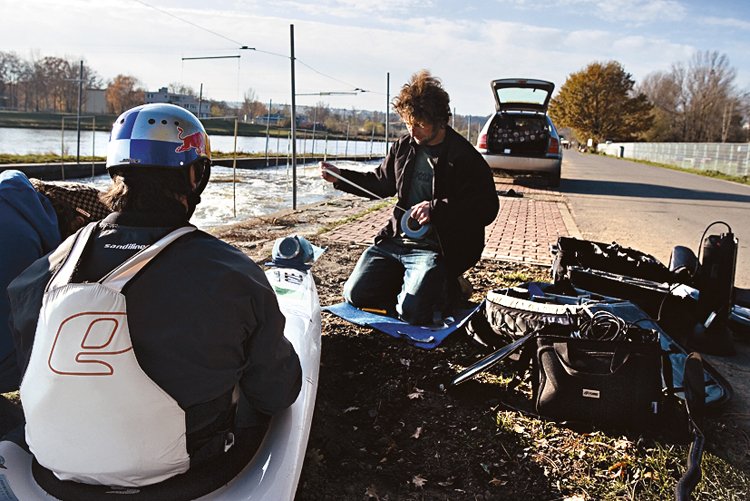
{"points": [[523, 231]]}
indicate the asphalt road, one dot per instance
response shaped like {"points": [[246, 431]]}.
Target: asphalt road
{"points": [[653, 209]]}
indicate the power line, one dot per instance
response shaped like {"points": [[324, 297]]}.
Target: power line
{"points": [[187, 21], [245, 47]]}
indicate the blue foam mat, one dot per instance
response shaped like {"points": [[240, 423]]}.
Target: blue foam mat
{"points": [[426, 337]]}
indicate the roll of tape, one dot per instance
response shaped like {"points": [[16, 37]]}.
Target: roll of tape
{"points": [[412, 228]]}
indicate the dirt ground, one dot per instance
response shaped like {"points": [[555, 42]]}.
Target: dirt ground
{"points": [[384, 427]]}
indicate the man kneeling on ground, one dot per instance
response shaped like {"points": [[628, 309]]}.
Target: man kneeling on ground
{"points": [[445, 197]]}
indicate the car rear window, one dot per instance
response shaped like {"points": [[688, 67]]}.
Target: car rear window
{"points": [[519, 95]]}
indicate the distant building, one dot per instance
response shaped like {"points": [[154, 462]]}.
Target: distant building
{"points": [[95, 102], [190, 103]]}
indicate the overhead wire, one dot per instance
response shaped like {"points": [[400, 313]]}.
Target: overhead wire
{"points": [[245, 47]]}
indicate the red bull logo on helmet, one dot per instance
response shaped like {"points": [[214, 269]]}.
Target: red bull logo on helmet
{"points": [[195, 140]]}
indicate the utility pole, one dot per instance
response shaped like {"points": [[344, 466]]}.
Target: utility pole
{"points": [[268, 125], [78, 115], [294, 124], [387, 108], [200, 101]]}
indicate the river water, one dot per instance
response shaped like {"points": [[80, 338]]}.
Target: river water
{"points": [[40, 141], [256, 192]]}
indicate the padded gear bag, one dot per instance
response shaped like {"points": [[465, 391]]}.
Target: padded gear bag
{"points": [[615, 383]]}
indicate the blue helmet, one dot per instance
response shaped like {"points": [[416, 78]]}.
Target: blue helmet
{"points": [[157, 135]]}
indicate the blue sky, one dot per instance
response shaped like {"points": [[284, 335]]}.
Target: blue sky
{"points": [[343, 44]]}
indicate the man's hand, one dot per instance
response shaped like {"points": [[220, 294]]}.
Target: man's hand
{"points": [[421, 212], [325, 166]]}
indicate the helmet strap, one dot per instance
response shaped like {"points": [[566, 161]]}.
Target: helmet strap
{"points": [[193, 199]]}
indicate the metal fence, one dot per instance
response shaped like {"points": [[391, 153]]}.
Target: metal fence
{"points": [[728, 158]]}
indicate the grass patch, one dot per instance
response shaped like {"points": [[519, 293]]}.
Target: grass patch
{"points": [[598, 465], [700, 172], [330, 226], [512, 278], [44, 158]]}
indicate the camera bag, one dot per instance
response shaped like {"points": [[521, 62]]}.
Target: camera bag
{"points": [[606, 382]]}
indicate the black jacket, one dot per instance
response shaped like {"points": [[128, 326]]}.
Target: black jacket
{"points": [[464, 196], [202, 316]]}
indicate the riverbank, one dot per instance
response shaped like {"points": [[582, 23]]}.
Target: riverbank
{"points": [[43, 120], [103, 123], [56, 171]]}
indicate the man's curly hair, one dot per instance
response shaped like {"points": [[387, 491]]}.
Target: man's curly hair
{"points": [[423, 99]]}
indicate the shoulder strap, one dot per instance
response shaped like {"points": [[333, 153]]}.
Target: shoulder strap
{"points": [[121, 275], [65, 271]]}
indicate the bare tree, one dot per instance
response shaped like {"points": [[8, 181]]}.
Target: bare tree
{"points": [[251, 107], [665, 93], [13, 69], [180, 88], [695, 101], [707, 88]]}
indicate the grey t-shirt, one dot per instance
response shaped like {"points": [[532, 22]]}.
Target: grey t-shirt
{"points": [[420, 190], [421, 181]]}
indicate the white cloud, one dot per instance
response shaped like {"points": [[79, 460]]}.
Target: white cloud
{"points": [[729, 22], [356, 8], [630, 12], [640, 11], [467, 53]]}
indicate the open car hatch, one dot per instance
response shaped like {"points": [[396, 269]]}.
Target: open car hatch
{"points": [[522, 94]]}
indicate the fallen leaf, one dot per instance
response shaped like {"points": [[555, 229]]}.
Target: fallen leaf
{"points": [[574, 497], [618, 469], [418, 481], [370, 492], [618, 465], [417, 394], [315, 456], [405, 362], [417, 433], [497, 482], [622, 444], [350, 409]]}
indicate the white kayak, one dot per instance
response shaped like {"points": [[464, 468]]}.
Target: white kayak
{"points": [[274, 470]]}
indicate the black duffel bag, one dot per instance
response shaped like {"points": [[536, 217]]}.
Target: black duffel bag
{"points": [[605, 382]]}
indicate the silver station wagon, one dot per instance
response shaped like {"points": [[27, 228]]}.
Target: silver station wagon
{"points": [[520, 138]]}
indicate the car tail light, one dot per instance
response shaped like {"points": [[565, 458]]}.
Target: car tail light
{"points": [[554, 146], [482, 142]]}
